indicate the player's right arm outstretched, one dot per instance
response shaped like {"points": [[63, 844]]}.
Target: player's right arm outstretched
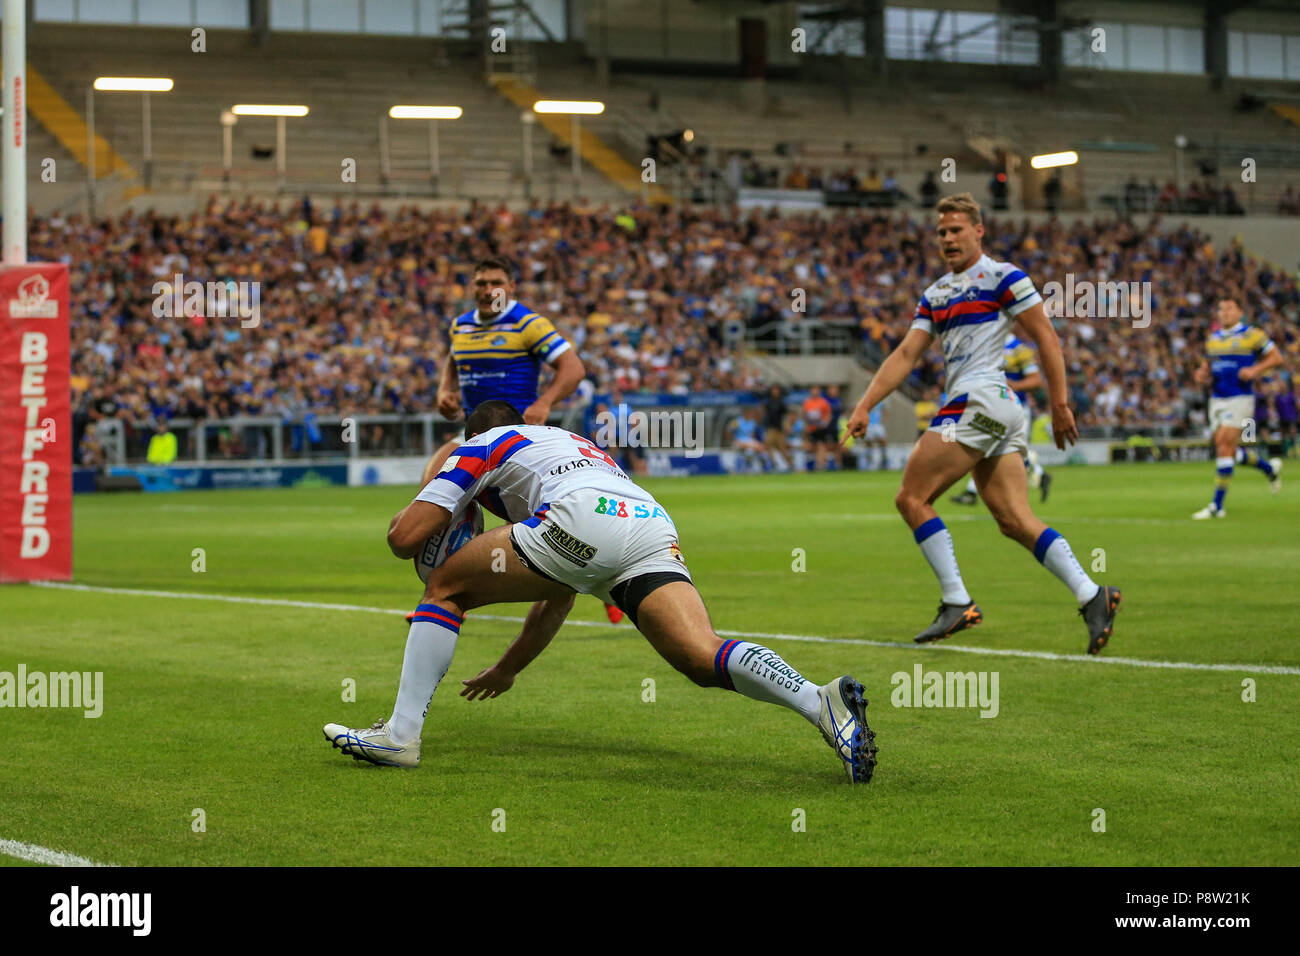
{"points": [[542, 623], [893, 370]]}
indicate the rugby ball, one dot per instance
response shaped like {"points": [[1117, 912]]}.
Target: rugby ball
{"points": [[440, 547]]}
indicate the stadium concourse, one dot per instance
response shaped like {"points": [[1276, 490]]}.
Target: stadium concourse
{"points": [[354, 301]]}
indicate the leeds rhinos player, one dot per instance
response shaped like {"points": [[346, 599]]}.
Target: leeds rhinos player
{"points": [[970, 309], [496, 352], [579, 524], [1021, 369], [1238, 355]]}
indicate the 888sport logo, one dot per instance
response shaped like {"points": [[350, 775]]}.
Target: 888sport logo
{"points": [[619, 509]]}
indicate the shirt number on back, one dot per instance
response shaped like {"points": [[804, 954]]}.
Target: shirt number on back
{"points": [[591, 450]]}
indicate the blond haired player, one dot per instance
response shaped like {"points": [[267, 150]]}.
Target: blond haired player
{"points": [[983, 426]]}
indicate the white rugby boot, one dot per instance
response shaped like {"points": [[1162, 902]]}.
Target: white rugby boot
{"points": [[373, 744], [843, 723]]}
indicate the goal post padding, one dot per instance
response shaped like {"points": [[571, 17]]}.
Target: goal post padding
{"points": [[35, 424]]}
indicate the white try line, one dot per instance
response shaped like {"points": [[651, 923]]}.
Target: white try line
{"points": [[759, 635], [44, 855], [985, 516]]}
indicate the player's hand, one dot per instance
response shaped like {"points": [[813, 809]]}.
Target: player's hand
{"points": [[449, 405], [1201, 376], [856, 427], [536, 413], [1248, 373], [1064, 431], [489, 683]]}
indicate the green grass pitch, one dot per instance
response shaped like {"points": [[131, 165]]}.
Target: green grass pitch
{"points": [[218, 706]]}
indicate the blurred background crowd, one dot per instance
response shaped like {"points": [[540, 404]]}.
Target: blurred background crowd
{"points": [[354, 302]]}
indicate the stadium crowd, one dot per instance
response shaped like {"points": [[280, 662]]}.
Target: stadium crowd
{"points": [[354, 301]]}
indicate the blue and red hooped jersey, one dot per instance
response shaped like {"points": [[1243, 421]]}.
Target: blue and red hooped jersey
{"points": [[971, 313], [515, 469]]}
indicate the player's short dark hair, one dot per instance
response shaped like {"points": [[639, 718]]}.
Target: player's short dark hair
{"points": [[491, 414], [496, 262]]}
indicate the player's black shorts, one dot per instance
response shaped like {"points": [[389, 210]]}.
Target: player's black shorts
{"points": [[629, 594], [824, 436]]}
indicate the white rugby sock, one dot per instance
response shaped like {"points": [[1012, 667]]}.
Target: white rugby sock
{"points": [[936, 545], [970, 486], [430, 645], [1055, 554], [760, 673]]}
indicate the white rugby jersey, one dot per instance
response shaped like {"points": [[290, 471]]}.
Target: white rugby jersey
{"points": [[971, 312], [516, 470]]}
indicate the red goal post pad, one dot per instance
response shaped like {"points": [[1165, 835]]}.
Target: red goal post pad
{"points": [[35, 424]]}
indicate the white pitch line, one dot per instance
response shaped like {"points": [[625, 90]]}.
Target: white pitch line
{"points": [[981, 516], [44, 855], [806, 638]]}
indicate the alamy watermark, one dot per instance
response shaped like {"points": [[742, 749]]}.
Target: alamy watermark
{"points": [[78, 689], [128, 910], [227, 299], [952, 689], [1086, 299], [639, 429]]}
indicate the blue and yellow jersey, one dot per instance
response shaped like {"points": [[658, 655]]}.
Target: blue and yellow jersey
{"points": [[502, 358], [1019, 361], [1231, 350]]}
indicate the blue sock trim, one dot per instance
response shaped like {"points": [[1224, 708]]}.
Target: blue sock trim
{"points": [[432, 614], [720, 661], [1224, 472], [933, 526], [1044, 542], [1218, 498]]}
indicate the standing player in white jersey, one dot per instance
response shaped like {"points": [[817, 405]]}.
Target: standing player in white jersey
{"points": [[982, 426], [578, 523]]}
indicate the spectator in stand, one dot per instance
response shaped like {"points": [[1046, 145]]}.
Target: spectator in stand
{"points": [[1284, 400], [929, 190], [1134, 196], [1000, 190], [1288, 204], [1168, 200], [1052, 192]]}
